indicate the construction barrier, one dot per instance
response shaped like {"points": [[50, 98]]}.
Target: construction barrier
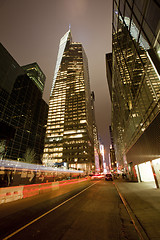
{"points": [[10, 194]]}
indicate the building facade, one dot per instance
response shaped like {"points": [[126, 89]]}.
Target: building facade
{"points": [[34, 72], [97, 157], [136, 85], [109, 72], [112, 157], [23, 112], [69, 134], [104, 165]]}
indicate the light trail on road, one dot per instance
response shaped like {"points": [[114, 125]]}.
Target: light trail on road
{"points": [[46, 213]]}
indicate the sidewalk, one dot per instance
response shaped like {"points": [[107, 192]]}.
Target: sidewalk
{"points": [[144, 200]]}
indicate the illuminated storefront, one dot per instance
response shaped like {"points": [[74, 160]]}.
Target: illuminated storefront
{"points": [[149, 171], [145, 172]]}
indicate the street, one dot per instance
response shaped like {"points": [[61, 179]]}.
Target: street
{"points": [[93, 212]]}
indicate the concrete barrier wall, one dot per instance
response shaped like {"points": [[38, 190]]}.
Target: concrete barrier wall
{"points": [[36, 189], [10, 194]]}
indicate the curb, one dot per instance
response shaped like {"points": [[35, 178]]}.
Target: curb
{"points": [[138, 227]]}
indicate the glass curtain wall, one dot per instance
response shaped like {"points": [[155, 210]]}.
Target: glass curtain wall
{"points": [[136, 81]]}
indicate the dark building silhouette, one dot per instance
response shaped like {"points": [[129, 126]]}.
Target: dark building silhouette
{"points": [[9, 71], [23, 112], [112, 157], [136, 86], [34, 72], [109, 72]]}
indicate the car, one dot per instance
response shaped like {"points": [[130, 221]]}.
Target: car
{"points": [[97, 177], [108, 177]]}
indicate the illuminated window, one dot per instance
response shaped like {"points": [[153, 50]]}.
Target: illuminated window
{"points": [[68, 103]]}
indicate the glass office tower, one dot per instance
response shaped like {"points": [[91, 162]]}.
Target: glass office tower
{"points": [[34, 72], [136, 81], [69, 134], [23, 112]]}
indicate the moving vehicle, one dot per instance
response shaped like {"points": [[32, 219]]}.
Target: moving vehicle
{"points": [[97, 176], [108, 177]]}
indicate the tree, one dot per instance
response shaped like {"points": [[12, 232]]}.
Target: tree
{"points": [[30, 156], [2, 148]]}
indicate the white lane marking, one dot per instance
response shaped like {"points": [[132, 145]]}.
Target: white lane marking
{"points": [[51, 210]]}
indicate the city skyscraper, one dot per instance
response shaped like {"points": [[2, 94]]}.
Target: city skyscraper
{"points": [[23, 112], [69, 133], [136, 86], [95, 136], [34, 72]]}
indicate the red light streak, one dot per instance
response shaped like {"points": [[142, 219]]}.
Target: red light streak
{"points": [[35, 189]]}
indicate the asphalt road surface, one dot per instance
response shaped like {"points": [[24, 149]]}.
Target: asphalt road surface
{"points": [[92, 212]]}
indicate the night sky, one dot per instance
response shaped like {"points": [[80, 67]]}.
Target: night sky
{"points": [[31, 30]]}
